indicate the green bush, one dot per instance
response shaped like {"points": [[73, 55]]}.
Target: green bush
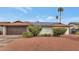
{"points": [[58, 31], [27, 34], [34, 30]]}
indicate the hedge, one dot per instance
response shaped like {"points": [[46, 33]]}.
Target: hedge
{"points": [[58, 31], [34, 30], [27, 34]]}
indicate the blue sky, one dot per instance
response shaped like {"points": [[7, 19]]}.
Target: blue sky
{"points": [[42, 14]]}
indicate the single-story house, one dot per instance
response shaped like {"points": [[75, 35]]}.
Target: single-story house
{"points": [[13, 28], [47, 27], [18, 27]]}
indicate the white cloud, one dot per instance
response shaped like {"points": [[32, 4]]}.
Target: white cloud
{"points": [[71, 19], [43, 19], [74, 18], [23, 9], [50, 18]]}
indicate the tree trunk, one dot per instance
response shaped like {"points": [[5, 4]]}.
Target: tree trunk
{"points": [[60, 17]]}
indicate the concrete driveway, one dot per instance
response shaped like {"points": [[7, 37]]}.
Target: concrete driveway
{"points": [[6, 39]]}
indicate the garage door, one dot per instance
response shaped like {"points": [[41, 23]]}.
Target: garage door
{"points": [[14, 30]]}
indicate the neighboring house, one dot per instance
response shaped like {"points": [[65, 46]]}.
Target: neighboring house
{"points": [[14, 28], [74, 27], [47, 27]]}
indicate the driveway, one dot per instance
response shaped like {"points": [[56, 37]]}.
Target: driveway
{"points": [[6, 39]]}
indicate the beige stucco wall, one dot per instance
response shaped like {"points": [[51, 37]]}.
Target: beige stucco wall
{"points": [[46, 30], [67, 31], [4, 30], [1, 28]]}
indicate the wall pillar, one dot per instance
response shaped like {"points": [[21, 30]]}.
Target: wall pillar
{"points": [[4, 30], [67, 31]]}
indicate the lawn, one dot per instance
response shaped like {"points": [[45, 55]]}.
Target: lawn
{"points": [[64, 43]]}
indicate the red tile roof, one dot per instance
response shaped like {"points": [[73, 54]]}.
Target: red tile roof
{"points": [[15, 24], [20, 23]]}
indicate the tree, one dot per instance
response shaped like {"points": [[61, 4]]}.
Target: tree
{"points": [[57, 18], [60, 10], [34, 29]]}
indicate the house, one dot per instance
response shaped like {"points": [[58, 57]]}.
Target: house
{"points": [[74, 27], [47, 27], [18, 27], [13, 28]]}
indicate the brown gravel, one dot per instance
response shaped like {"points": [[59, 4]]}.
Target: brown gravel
{"points": [[64, 43]]}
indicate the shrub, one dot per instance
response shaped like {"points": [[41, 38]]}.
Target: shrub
{"points": [[27, 34], [58, 31], [34, 30]]}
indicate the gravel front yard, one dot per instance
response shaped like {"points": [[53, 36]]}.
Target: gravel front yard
{"points": [[64, 43]]}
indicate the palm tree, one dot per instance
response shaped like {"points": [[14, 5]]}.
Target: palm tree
{"points": [[57, 18], [60, 10]]}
